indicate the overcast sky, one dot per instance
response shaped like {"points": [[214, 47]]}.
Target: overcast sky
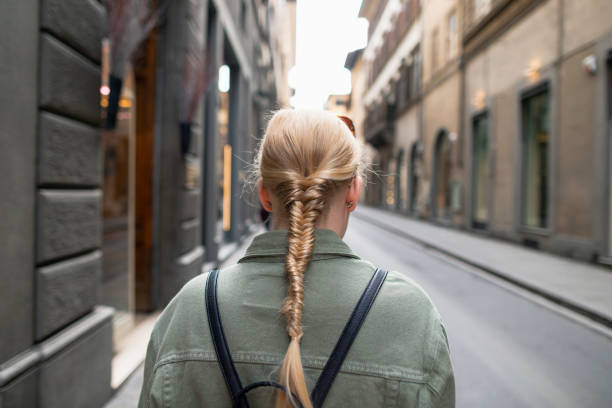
{"points": [[326, 31]]}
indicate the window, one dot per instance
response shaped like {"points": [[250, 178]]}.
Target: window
{"points": [[480, 190], [407, 84], [415, 72], [535, 129], [434, 50], [451, 36], [243, 14], [442, 178]]}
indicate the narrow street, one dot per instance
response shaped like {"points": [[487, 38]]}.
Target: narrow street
{"points": [[507, 350]]}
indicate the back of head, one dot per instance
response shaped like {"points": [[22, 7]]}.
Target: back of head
{"points": [[304, 157]]}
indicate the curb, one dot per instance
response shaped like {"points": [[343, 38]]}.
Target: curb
{"points": [[590, 314]]}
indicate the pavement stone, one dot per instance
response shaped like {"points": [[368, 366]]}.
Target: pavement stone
{"points": [[582, 287]]}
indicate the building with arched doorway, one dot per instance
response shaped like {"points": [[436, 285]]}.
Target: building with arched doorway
{"points": [[441, 87], [508, 132], [390, 90]]}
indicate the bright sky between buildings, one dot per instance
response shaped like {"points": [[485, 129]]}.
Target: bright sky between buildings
{"points": [[326, 31]]}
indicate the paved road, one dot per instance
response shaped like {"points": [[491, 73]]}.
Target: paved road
{"points": [[507, 351]]}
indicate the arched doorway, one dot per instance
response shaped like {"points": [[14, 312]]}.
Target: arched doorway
{"points": [[413, 178], [442, 176]]}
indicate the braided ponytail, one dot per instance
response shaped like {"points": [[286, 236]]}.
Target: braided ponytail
{"points": [[304, 205], [303, 157]]}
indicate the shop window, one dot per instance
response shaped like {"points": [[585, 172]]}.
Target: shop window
{"points": [[442, 176], [480, 156], [223, 155], [535, 139]]}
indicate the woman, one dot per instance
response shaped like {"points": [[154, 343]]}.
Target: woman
{"points": [[309, 177]]}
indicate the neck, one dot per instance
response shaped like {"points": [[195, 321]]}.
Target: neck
{"points": [[328, 220]]}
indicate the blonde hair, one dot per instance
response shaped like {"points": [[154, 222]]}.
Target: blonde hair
{"points": [[303, 157]]}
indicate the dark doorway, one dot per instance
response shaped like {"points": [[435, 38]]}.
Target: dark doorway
{"points": [[535, 157], [480, 171], [399, 183], [442, 176], [413, 178], [145, 76]]}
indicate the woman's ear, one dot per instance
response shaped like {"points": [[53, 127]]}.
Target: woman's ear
{"points": [[352, 195], [264, 196]]}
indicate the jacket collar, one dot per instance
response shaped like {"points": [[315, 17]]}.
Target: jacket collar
{"points": [[274, 244]]}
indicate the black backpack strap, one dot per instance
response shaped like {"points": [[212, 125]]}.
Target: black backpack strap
{"points": [[232, 380], [242, 394], [346, 338]]}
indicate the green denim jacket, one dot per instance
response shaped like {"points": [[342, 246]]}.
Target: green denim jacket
{"points": [[400, 357]]}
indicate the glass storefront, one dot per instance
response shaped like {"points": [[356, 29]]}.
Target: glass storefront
{"points": [[116, 282], [480, 189], [224, 157], [535, 117], [127, 210]]}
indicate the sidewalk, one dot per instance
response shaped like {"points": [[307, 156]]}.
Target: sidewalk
{"points": [[582, 287]]}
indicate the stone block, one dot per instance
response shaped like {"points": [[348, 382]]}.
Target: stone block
{"points": [[78, 374], [77, 22], [65, 291], [21, 392], [68, 222], [189, 236], [69, 152], [190, 204], [69, 84]]}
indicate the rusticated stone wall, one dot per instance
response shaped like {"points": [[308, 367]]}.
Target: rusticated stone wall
{"points": [[56, 346]]}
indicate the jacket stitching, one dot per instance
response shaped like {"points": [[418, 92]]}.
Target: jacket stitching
{"points": [[349, 367]]}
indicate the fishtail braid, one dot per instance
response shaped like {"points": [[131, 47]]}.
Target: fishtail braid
{"points": [[303, 156], [304, 202]]}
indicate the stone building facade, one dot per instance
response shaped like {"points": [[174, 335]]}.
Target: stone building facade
{"points": [[536, 106], [513, 120], [100, 225], [55, 343], [391, 94]]}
